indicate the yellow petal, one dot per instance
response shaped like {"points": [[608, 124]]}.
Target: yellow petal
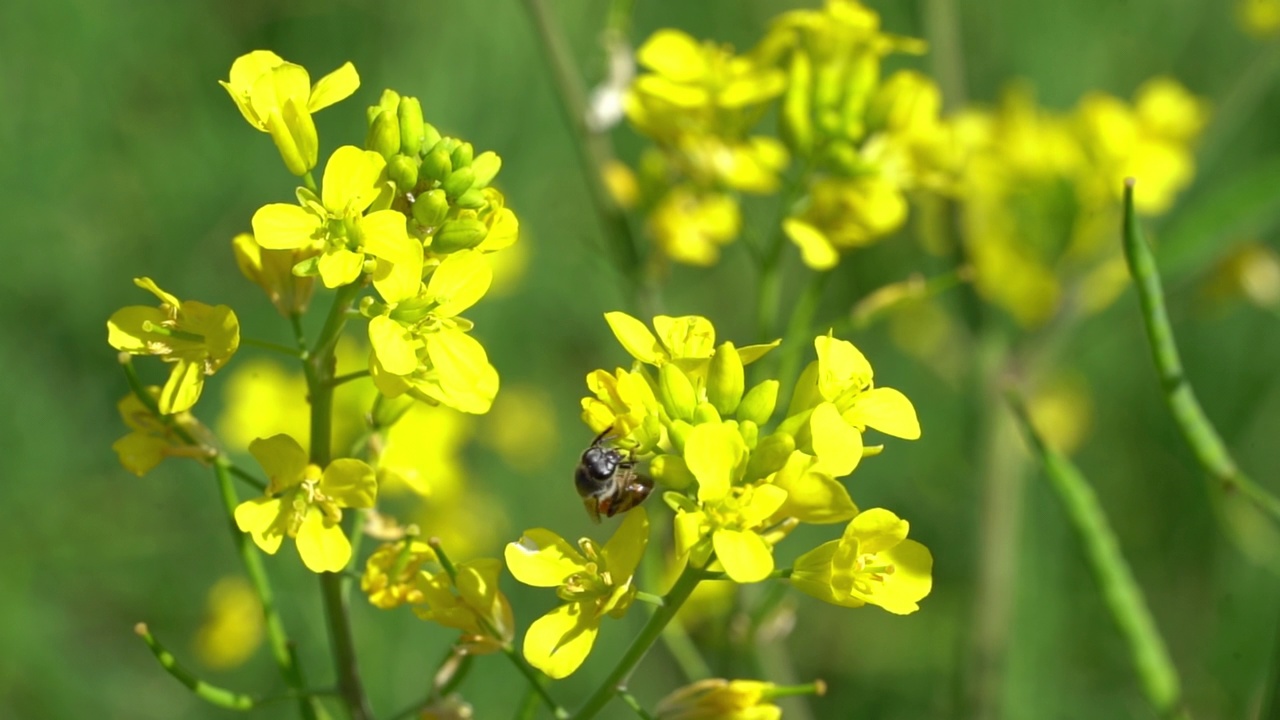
{"points": [[280, 226], [634, 337], [386, 237], [623, 551], [840, 366], [350, 482], [877, 530], [713, 452], [464, 378], [183, 387], [815, 249], [125, 327], [812, 496], [543, 559], [397, 282], [351, 180], [139, 453], [746, 557], [340, 267], [459, 282], [337, 85], [837, 444], [674, 54], [886, 410], [260, 518], [394, 346], [282, 458], [559, 641], [688, 336], [322, 544]]}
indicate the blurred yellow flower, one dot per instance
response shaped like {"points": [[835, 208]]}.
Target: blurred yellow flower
{"points": [[472, 604], [151, 440], [521, 427], [1260, 18], [422, 451], [719, 699], [233, 626]]}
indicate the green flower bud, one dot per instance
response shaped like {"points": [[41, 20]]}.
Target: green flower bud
{"points": [[678, 432], [436, 164], [797, 106], [389, 100], [473, 199], [671, 471], [459, 234], [403, 170], [676, 392], [384, 134], [462, 155], [705, 413], [486, 166], [725, 379], [769, 455], [430, 136], [458, 182], [430, 208], [759, 403], [750, 433], [409, 113]]}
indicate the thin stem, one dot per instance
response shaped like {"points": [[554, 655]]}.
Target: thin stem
{"points": [[679, 593], [310, 182], [942, 28], [1120, 591], [319, 370], [246, 476], [649, 598], [267, 345], [799, 329], [1196, 429], [594, 154], [348, 377], [212, 694], [683, 650], [634, 704]]}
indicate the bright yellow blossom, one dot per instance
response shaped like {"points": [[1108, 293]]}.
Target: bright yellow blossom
{"points": [[873, 562], [151, 439], [305, 503], [594, 583], [691, 226], [197, 338], [719, 699], [277, 97], [334, 223], [391, 573], [473, 604]]}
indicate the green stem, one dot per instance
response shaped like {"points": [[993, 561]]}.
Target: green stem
{"points": [[247, 477], [594, 155], [266, 345], [348, 377], [310, 182], [649, 634], [942, 28], [799, 333], [1120, 591], [683, 650], [318, 366], [1196, 429], [212, 694], [634, 704]]}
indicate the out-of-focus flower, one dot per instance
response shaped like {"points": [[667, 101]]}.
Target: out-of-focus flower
{"points": [[522, 428], [391, 573], [1259, 18], [151, 439], [472, 603], [1250, 271], [233, 627], [719, 699], [272, 270]]}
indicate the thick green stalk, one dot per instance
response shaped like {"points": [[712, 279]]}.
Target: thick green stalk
{"points": [[318, 366], [1120, 591], [649, 634], [1208, 447]]}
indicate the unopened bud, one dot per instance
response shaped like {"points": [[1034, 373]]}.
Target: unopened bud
{"points": [[705, 413], [384, 134], [403, 170], [436, 164], [473, 199], [459, 181], [430, 208], [409, 114], [463, 155], [769, 455], [725, 379], [486, 166], [430, 136], [676, 392], [758, 404], [671, 471], [459, 234]]}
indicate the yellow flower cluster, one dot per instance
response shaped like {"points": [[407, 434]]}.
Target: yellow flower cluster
{"points": [[737, 488]]}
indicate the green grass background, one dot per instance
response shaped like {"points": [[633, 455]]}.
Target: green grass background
{"points": [[120, 156]]}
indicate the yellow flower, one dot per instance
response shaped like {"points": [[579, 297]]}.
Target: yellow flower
{"points": [[873, 562], [845, 213], [624, 401], [690, 226], [1259, 18], [688, 341], [472, 604], [391, 573], [719, 699], [233, 625], [272, 270], [277, 97], [728, 518], [594, 583], [334, 224], [151, 439], [305, 503], [197, 338]]}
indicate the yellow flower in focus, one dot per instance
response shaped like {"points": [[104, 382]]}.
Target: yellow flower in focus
{"points": [[391, 573], [719, 699], [688, 341], [277, 97], [305, 503], [335, 224], [272, 270], [873, 562], [233, 627], [197, 338], [473, 604], [151, 440], [593, 583], [624, 401]]}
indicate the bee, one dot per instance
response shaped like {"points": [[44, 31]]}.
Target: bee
{"points": [[607, 480]]}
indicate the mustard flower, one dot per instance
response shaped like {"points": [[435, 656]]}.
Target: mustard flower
{"points": [[233, 626], [197, 338], [277, 97], [872, 563], [728, 517], [688, 341], [593, 583], [419, 344], [305, 503], [334, 224], [470, 602], [842, 214], [391, 573], [836, 401], [720, 699], [272, 270], [625, 401], [691, 226], [151, 439]]}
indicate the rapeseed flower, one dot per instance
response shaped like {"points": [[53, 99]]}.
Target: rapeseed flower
{"points": [[719, 699], [872, 563], [152, 439]]}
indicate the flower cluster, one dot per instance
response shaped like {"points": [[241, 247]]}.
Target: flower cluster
{"points": [[737, 487]]}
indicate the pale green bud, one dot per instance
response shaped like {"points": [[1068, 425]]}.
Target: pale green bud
{"points": [[473, 199], [409, 114], [459, 234], [676, 392], [384, 134], [796, 115], [389, 100], [705, 413], [462, 155], [758, 404], [769, 455], [725, 379], [459, 181], [671, 471], [430, 208], [750, 433], [678, 431], [430, 136], [486, 166], [403, 170], [436, 164]]}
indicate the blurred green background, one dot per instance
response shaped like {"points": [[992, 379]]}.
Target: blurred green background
{"points": [[121, 157]]}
